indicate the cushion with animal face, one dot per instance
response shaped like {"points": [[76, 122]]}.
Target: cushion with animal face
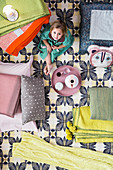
{"points": [[100, 56]]}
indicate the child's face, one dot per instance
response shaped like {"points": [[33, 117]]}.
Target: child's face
{"points": [[56, 33]]}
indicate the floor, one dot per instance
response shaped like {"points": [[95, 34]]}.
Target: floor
{"points": [[58, 108]]}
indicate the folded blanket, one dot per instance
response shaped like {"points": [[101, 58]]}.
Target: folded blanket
{"points": [[33, 148], [28, 12], [88, 130], [7, 39], [16, 40], [13, 42], [9, 94], [10, 124]]}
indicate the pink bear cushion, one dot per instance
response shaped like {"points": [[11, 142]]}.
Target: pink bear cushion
{"points": [[100, 56], [9, 93]]}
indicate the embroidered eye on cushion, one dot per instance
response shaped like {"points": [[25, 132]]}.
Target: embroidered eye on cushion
{"points": [[100, 56], [32, 99], [17, 68]]}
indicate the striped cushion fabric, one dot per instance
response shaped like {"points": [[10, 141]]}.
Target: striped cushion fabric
{"points": [[101, 103]]}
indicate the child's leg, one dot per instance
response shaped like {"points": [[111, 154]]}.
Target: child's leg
{"points": [[48, 66]]}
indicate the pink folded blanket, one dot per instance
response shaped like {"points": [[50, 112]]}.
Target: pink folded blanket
{"points": [[9, 94], [7, 39]]}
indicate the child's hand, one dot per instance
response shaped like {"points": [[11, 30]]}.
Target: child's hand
{"points": [[47, 69], [49, 49], [54, 47]]}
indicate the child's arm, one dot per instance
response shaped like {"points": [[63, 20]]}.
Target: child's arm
{"points": [[58, 47], [49, 48]]}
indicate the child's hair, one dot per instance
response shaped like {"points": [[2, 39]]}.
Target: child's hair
{"points": [[59, 24]]}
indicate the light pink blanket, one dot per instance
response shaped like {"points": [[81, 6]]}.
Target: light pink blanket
{"points": [[7, 39], [9, 93], [8, 123]]}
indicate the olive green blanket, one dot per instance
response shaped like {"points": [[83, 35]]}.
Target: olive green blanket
{"points": [[29, 10], [33, 148]]}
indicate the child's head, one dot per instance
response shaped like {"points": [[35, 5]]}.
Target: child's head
{"points": [[58, 29]]}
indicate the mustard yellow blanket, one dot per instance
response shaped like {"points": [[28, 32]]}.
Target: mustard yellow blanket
{"points": [[33, 148], [88, 130]]}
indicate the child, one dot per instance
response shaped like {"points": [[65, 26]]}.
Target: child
{"points": [[55, 40]]}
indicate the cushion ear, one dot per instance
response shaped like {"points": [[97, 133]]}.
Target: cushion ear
{"points": [[93, 48], [111, 49]]}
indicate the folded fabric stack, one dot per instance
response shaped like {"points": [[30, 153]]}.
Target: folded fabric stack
{"points": [[93, 123], [10, 85], [17, 83], [28, 12], [32, 15], [89, 130]]}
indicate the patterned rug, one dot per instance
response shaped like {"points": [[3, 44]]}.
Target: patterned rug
{"points": [[58, 108]]}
